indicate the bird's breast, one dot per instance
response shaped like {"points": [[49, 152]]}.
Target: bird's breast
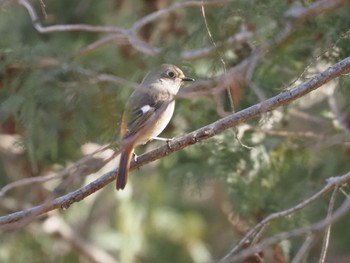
{"points": [[159, 124]]}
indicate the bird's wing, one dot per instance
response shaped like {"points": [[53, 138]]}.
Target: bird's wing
{"points": [[141, 114]]}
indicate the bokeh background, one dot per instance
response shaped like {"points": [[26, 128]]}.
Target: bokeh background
{"points": [[62, 95]]}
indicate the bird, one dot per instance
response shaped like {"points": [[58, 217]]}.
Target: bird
{"points": [[147, 112]]}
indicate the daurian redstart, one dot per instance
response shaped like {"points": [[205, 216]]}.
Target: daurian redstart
{"points": [[147, 112]]}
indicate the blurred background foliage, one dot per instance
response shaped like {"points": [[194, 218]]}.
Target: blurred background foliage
{"points": [[194, 205]]}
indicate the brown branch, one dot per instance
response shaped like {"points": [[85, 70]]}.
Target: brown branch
{"points": [[314, 229], [157, 14], [245, 69], [341, 117], [318, 7], [130, 34], [327, 140], [103, 77], [305, 247], [328, 230], [70, 169], [75, 27], [282, 214], [297, 14], [177, 144], [240, 37], [112, 38]]}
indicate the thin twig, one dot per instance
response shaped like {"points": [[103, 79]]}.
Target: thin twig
{"points": [[215, 46], [102, 77], [123, 34], [282, 214], [327, 140], [240, 37], [297, 12], [75, 27], [344, 193], [314, 228], [157, 14], [44, 178], [130, 35], [328, 230], [43, 8], [341, 117], [305, 247], [112, 38]]}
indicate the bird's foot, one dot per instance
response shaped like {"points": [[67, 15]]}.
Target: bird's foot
{"points": [[134, 157]]}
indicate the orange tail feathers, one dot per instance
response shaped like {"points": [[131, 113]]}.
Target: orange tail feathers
{"points": [[124, 165]]}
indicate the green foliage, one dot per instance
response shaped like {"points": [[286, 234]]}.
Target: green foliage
{"points": [[179, 208], [34, 247]]}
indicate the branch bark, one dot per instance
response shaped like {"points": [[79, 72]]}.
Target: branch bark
{"points": [[313, 229], [124, 34], [286, 96], [295, 15]]}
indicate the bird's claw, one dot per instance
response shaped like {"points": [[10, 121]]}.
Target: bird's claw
{"points": [[168, 141], [134, 157]]}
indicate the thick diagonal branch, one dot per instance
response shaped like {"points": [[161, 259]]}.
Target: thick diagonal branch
{"points": [[286, 96]]}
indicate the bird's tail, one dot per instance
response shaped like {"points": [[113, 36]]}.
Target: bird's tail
{"points": [[124, 165]]}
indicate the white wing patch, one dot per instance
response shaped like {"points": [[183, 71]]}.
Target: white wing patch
{"points": [[145, 109]]}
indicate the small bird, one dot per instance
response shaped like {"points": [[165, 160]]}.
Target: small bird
{"points": [[147, 112]]}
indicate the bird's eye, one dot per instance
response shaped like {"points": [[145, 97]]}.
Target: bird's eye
{"points": [[171, 74]]}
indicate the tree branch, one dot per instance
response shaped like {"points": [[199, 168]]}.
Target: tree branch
{"points": [[70, 169], [310, 239], [282, 214], [315, 228], [328, 230], [177, 144], [240, 37], [305, 248], [130, 34], [314, 9], [75, 27], [157, 14]]}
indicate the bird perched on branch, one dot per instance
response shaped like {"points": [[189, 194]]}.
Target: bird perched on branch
{"points": [[147, 112]]}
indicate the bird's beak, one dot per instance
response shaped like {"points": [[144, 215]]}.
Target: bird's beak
{"points": [[187, 79]]}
